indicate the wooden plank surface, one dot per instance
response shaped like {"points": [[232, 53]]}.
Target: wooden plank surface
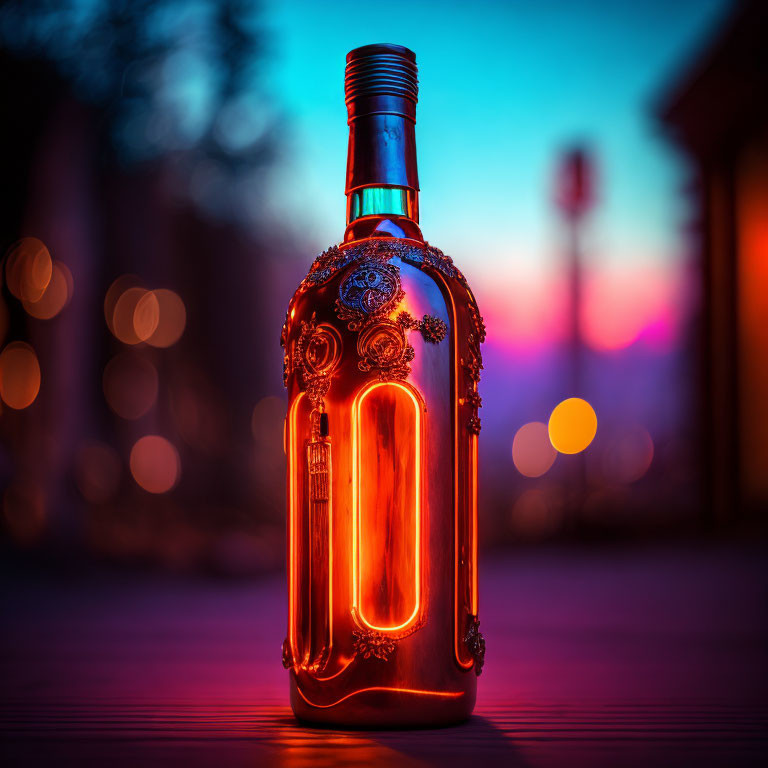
{"points": [[602, 658]]}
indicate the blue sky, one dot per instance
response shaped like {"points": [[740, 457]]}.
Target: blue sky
{"points": [[504, 88]]}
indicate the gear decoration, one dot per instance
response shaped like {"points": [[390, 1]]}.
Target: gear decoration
{"points": [[370, 291], [367, 644], [475, 643]]}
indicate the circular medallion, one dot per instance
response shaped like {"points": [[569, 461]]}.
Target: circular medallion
{"points": [[322, 350], [383, 346], [371, 289]]}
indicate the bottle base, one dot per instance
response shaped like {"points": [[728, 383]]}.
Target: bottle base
{"points": [[386, 708]]}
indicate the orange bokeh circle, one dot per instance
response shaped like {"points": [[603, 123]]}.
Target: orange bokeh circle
{"points": [[172, 318], [155, 464], [19, 375]]}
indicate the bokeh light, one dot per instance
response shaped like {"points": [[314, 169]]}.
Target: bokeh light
{"points": [[97, 471], [28, 269], [172, 318], [155, 464], [629, 456], [19, 375], [135, 317], [572, 425], [146, 316], [56, 295], [532, 450], [135, 314], [114, 292], [130, 384]]}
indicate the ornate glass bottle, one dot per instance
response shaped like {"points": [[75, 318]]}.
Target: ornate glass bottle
{"points": [[382, 362]]}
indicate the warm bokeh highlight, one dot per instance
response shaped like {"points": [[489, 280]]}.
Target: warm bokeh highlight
{"points": [[572, 425], [532, 450], [19, 375], [155, 464]]}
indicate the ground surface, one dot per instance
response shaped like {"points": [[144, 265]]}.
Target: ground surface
{"points": [[642, 657]]}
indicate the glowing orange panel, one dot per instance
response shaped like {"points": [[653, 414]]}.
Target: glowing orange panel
{"points": [[388, 438]]}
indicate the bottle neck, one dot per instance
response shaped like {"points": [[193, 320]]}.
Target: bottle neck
{"points": [[382, 178]]}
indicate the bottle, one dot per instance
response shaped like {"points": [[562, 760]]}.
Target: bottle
{"points": [[382, 363]]}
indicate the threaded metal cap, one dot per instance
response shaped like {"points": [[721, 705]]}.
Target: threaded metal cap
{"points": [[381, 79]]}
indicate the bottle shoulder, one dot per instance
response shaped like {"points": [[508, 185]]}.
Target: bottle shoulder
{"points": [[368, 297], [335, 263], [353, 286]]}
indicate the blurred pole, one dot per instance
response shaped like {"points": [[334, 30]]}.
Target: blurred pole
{"points": [[575, 198], [574, 319]]}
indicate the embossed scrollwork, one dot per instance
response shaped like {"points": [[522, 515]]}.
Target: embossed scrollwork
{"points": [[383, 346], [432, 328], [368, 295], [472, 366], [370, 291], [372, 644], [475, 643], [318, 351]]}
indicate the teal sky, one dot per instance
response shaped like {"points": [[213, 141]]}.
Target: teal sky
{"points": [[504, 87]]}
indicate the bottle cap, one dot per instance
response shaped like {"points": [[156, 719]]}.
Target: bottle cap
{"points": [[381, 79]]}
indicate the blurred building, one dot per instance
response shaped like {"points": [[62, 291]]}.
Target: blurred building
{"points": [[137, 154], [718, 114]]}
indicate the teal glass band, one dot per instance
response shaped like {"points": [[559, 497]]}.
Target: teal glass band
{"points": [[376, 201]]}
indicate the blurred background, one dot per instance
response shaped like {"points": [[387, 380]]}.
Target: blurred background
{"points": [[598, 171]]}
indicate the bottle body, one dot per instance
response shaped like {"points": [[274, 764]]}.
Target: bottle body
{"points": [[382, 361]]}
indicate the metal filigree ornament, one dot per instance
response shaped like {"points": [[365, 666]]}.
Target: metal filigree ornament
{"points": [[383, 347], [431, 258], [475, 643], [329, 262], [286, 355], [372, 290], [372, 644], [326, 265], [472, 367], [318, 351], [317, 354], [336, 258], [432, 328]]}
